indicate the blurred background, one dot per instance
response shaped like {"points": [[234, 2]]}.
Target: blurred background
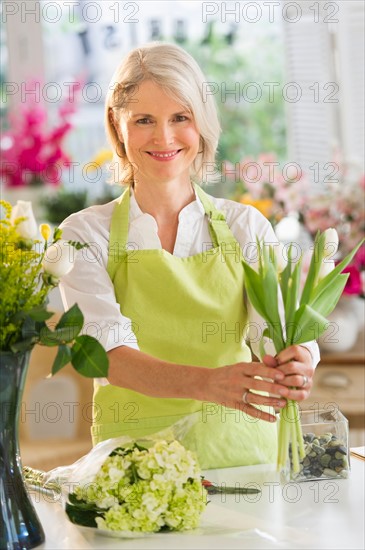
{"points": [[288, 80]]}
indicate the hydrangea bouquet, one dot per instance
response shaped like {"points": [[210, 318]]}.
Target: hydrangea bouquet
{"points": [[139, 489], [305, 312]]}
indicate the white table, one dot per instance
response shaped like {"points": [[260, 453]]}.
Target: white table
{"points": [[318, 515]]}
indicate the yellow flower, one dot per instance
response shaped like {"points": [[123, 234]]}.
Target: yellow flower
{"points": [[103, 156], [45, 230], [265, 206]]}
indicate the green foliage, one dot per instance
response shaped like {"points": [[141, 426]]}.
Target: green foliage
{"points": [[63, 204], [248, 127], [23, 313]]}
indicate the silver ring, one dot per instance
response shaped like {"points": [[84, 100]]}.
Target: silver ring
{"points": [[244, 397], [305, 381]]}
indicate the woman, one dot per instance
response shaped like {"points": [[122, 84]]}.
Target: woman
{"points": [[163, 282]]}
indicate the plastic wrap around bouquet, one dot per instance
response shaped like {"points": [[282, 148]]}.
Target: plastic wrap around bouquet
{"points": [[127, 488]]}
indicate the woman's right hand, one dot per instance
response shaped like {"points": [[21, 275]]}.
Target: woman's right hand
{"points": [[233, 387]]}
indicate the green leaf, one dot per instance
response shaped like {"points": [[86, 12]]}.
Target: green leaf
{"points": [[331, 278], [31, 328], [78, 245], [56, 337], [314, 267], [24, 344], [291, 302], [40, 313], [326, 301], [57, 234], [262, 342], [62, 358], [262, 291], [284, 278], [89, 357], [82, 516], [254, 291], [271, 288], [309, 324], [83, 504], [72, 319]]}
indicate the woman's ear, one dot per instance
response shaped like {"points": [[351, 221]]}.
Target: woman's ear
{"points": [[111, 116], [115, 125]]}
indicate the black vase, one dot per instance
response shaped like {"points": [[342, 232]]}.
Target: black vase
{"points": [[20, 527]]}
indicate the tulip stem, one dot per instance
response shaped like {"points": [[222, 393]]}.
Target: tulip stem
{"points": [[290, 431]]}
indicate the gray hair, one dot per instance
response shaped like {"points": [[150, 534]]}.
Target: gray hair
{"points": [[172, 68]]}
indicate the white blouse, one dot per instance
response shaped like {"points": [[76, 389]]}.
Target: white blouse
{"points": [[89, 285]]}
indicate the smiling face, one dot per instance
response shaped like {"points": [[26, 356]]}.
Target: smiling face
{"points": [[159, 135]]}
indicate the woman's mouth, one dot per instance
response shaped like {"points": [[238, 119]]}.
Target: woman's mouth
{"points": [[164, 155]]}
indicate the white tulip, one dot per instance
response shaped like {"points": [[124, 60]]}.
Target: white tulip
{"points": [[27, 229], [326, 268], [58, 259], [281, 257], [331, 243]]}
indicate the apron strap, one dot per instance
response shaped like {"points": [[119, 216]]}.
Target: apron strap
{"points": [[218, 227], [118, 233], [219, 231]]}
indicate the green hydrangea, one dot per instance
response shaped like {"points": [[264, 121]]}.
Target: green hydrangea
{"points": [[144, 490]]}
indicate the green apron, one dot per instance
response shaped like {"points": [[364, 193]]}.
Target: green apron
{"points": [[190, 311]]}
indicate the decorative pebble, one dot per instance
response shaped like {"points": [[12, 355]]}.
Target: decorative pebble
{"points": [[326, 456], [329, 472]]}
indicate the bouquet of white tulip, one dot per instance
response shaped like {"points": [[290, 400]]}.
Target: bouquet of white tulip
{"points": [[305, 314], [30, 268]]}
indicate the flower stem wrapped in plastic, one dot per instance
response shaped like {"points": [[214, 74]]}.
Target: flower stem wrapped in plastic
{"points": [[305, 314]]}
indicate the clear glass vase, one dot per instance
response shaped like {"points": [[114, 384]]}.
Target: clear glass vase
{"points": [[19, 524], [326, 444]]}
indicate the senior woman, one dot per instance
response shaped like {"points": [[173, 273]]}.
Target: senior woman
{"points": [[163, 283]]}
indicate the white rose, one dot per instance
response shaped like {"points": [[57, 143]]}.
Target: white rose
{"points": [[58, 259], [331, 243], [27, 229]]}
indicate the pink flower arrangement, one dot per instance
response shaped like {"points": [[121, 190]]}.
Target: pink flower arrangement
{"points": [[356, 282], [31, 153], [341, 205], [275, 188]]}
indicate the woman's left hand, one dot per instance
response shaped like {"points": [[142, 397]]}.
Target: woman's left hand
{"points": [[297, 365]]}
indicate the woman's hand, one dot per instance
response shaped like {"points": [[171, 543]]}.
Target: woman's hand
{"points": [[233, 386], [295, 362]]}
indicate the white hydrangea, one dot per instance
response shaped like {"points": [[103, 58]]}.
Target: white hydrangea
{"points": [[145, 490]]}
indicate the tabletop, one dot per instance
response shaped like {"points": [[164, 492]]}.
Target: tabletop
{"points": [[315, 514]]}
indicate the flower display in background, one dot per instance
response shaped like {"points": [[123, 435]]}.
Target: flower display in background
{"points": [[274, 188], [141, 490], [102, 157], [342, 205], [30, 268], [32, 150]]}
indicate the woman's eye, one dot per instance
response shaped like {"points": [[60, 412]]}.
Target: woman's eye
{"points": [[143, 121], [181, 118]]}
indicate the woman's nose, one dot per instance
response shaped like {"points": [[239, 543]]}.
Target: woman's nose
{"points": [[163, 134]]}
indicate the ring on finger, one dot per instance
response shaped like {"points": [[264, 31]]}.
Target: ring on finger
{"points": [[305, 381], [244, 397]]}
